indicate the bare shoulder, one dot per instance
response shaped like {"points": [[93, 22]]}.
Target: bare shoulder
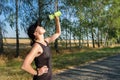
{"points": [[37, 47]]}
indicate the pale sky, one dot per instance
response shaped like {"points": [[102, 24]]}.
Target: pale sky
{"points": [[12, 33]]}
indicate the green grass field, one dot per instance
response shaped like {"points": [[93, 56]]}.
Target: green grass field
{"points": [[10, 66]]}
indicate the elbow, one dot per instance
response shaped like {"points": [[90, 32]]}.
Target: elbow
{"points": [[59, 33], [23, 67]]}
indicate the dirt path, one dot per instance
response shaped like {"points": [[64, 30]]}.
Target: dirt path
{"points": [[106, 69]]}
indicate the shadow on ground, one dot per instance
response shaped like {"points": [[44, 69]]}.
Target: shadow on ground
{"points": [[106, 69]]}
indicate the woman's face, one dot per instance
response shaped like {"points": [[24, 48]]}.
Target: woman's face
{"points": [[39, 30]]}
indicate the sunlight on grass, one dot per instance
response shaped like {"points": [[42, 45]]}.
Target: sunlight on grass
{"points": [[12, 71], [76, 59], [3, 60]]}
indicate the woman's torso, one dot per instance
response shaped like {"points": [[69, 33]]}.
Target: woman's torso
{"points": [[42, 60]]}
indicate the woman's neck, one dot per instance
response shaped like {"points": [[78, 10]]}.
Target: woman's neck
{"points": [[40, 39]]}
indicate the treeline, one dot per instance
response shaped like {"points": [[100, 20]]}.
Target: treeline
{"points": [[83, 20]]}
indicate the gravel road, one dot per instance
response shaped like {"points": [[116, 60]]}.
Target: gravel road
{"points": [[105, 69]]}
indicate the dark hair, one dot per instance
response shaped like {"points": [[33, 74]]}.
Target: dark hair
{"points": [[31, 30]]}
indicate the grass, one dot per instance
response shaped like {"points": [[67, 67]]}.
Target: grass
{"points": [[10, 66], [78, 58]]}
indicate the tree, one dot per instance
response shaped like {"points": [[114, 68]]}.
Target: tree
{"points": [[1, 41], [4, 10], [17, 30]]}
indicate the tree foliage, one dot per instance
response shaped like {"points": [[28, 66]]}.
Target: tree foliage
{"points": [[83, 20]]}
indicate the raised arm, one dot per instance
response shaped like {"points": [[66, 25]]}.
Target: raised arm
{"points": [[57, 32]]}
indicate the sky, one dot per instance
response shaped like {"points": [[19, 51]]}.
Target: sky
{"points": [[12, 34]]}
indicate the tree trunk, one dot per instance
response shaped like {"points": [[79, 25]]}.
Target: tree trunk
{"points": [[66, 39], [79, 42], [80, 39], [17, 31], [70, 38], [87, 37], [1, 41], [40, 10], [93, 42], [101, 41], [56, 41], [98, 42], [92, 33]]}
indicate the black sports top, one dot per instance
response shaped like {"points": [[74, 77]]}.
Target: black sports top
{"points": [[42, 60]]}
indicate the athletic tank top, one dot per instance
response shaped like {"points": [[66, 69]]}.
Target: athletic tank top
{"points": [[42, 60]]}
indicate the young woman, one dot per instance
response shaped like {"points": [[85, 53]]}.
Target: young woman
{"points": [[40, 52]]}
